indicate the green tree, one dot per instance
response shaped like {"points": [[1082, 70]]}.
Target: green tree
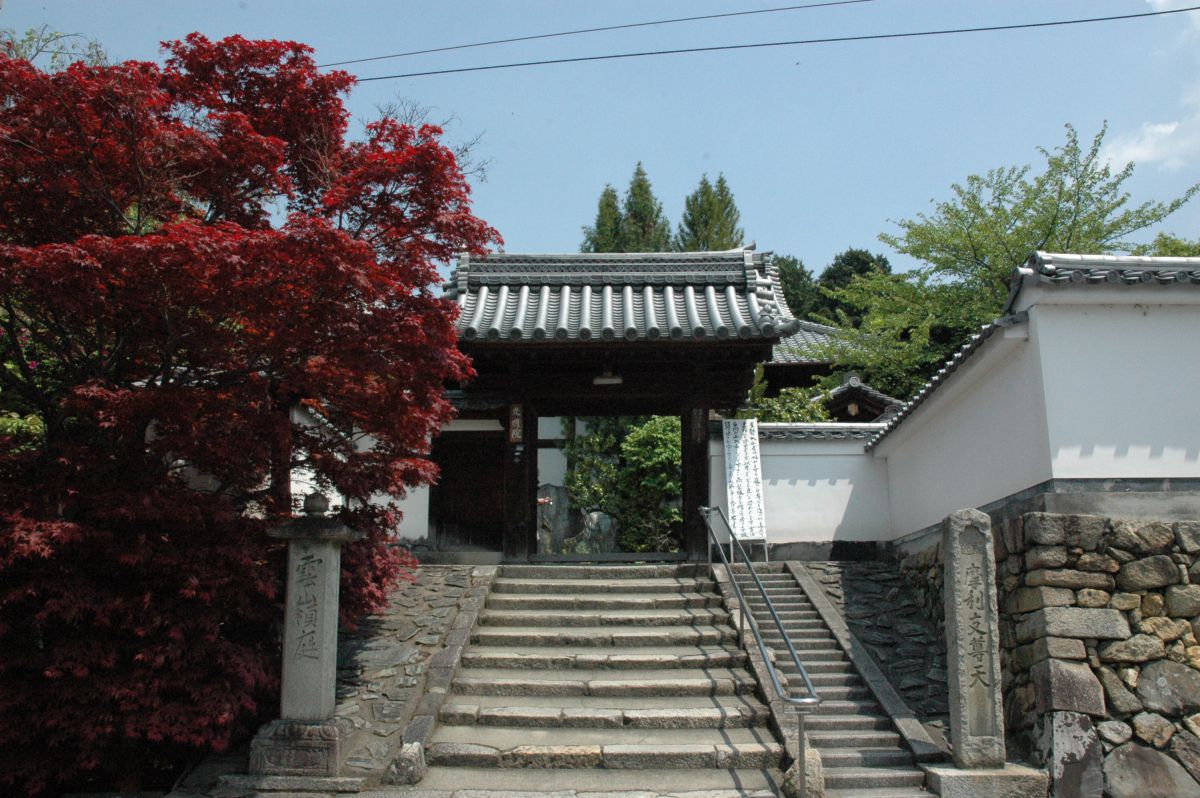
{"points": [[840, 273], [800, 290], [593, 460], [710, 219], [969, 246], [605, 235], [649, 487], [1171, 246], [60, 49], [791, 404], [644, 226]]}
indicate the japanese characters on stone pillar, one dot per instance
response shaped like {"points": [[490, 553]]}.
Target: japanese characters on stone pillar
{"points": [[976, 722], [305, 740]]}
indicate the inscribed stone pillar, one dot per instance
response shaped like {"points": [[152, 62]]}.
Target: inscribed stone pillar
{"points": [[305, 740], [310, 629], [976, 722]]}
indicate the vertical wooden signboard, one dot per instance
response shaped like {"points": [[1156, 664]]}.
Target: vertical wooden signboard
{"points": [[743, 481]]}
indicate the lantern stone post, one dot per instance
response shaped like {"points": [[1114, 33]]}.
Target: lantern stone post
{"points": [[305, 741]]}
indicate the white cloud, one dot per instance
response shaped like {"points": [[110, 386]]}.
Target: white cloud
{"points": [[1173, 145], [1168, 5]]}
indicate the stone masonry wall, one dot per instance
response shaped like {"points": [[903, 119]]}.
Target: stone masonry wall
{"points": [[925, 574], [1099, 623]]}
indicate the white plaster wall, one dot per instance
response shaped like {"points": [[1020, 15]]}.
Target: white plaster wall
{"points": [[814, 491], [979, 437], [552, 467], [414, 525], [1122, 387], [550, 427]]}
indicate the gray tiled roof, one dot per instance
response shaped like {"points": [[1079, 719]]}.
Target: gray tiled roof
{"points": [[808, 430], [799, 346], [1049, 268], [818, 431], [853, 382], [685, 296]]}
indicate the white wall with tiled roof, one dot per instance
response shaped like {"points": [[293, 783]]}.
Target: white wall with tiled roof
{"points": [[1095, 376], [980, 438], [818, 484]]}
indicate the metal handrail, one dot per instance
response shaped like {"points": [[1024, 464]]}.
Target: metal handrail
{"points": [[802, 704]]}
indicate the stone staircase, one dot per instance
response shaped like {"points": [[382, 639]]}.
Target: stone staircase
{"points": [[861, 752], [604, 678]]}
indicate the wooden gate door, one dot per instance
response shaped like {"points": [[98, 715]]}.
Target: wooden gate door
{"points": [[466, 507]]}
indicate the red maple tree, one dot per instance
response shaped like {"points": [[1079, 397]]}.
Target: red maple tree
{"points": [[161, 327]]}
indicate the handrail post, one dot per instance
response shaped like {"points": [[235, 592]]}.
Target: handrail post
{"points": [[741, 620], [801, 765]]}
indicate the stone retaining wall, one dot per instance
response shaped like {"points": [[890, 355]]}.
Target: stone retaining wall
{"points": [[925, 574], [1099, 623]]}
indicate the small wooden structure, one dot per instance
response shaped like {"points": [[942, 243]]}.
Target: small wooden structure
{"points": [[595, 334]]}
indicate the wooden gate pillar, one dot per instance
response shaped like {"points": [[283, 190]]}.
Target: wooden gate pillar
{"points": [[695, 479], [520, 480]]}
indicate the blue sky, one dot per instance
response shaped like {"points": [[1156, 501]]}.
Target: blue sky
{"points": [[822, 145]]}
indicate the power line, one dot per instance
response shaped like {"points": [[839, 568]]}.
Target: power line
{"points": [[798, 42], [594, 30]]}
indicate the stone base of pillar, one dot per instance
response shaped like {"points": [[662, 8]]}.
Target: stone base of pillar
{"points": [[296, 748], [1010, 781]]}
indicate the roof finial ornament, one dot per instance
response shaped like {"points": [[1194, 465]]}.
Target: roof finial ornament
{"points": [[751, 246]]}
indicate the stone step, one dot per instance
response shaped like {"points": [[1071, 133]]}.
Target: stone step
{"points": [[592, 586], [612, 757], [593, 637], [784, 663], [795, 635], [856, 722], [822, 680], [865, 757], [730, 702], [790, 623], [631, 683], [700, 616], [603, 572], [785, 613], [832, 693], [467, 746], [558, 658], [808, 655], [854, 739], [703, 783], [841, 707], [879, 792], [788, 669], [601, 601], [648, 715], [803, 645], [803, 629], [872, 778], [805, 635]]}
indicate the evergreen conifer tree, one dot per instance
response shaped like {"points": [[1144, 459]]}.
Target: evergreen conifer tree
{"points": [[605, 235], [710, 219], [644, 226]]}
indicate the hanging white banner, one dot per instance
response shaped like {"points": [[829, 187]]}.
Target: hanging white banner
{"points": [[743, 479]]}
